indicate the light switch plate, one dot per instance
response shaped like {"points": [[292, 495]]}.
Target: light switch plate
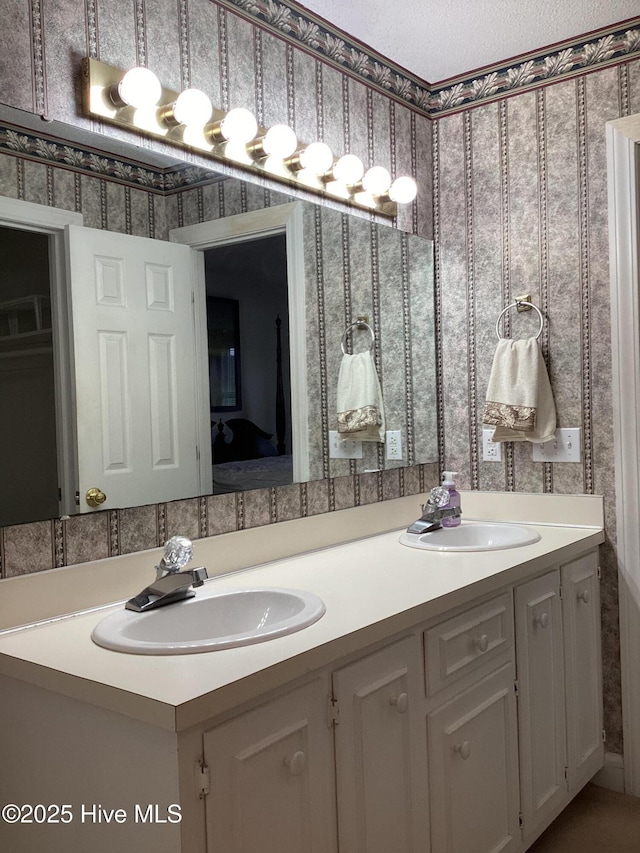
{"points": [[343, 448], [566, 447]]}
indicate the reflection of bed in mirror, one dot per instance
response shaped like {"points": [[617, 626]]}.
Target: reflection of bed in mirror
{"points": [[244, 455]]}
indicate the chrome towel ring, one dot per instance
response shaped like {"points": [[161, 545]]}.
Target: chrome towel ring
{"points": [[521, 305], [359, 324]]}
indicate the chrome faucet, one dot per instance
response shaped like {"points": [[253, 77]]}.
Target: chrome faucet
{"points": [[434, 511], [171, 583]]}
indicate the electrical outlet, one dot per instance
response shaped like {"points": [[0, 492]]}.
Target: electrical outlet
{"points": [[343, 448], [394, 443], [565, 447], [491, 450]]}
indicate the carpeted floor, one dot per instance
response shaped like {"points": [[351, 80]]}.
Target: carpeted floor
{"points": [[596, 821]]}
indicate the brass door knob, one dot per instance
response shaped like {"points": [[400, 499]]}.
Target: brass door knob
{"points": [[95, 497]]}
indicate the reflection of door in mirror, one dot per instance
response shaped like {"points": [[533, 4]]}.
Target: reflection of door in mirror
{"points": [[133, 412], [133, 344], [251, 447], [28, 467]]}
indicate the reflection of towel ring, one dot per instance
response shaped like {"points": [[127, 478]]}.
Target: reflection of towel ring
{"points": [[516, 304], [360, 324]]}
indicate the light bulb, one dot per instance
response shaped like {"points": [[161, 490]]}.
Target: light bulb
{"points": [[403, 190], [348, 169], [376, 180], [237, 151], [317, 158], [192, 107], [279, 141], [309, 178], [239, 125], [139, 88]]}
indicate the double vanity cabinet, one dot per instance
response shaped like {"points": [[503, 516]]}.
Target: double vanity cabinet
{"points": [[444, 704], [468, 735]]}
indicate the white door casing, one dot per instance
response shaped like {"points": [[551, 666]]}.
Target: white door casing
{"points": [[135, 369], [623, 166]]}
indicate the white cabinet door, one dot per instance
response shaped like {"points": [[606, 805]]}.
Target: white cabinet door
{"points": [[473, 769], [135, 369], [541, 702], [581, 606], [381, 752], [272, 778]]}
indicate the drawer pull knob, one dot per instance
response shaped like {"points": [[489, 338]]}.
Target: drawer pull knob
{"points": [[400, 702], [463, 749], [481, 643], [584, 596], [296, 762], [542, 620]]}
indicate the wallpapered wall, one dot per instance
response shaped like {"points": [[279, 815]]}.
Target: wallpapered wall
{"points": [[519, 203], [520, 206]]}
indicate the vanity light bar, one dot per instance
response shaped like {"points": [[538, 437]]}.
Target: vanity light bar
{"points": [[136, 100]]}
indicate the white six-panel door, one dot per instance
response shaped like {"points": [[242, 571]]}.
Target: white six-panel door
{"points": [[134, 359]]}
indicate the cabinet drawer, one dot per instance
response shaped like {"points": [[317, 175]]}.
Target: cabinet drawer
{"points": [[469, 644]]}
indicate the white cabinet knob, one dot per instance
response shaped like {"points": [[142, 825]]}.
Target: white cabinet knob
{"points": [[296, 762], [584, 596], [542, 620], [463, 749], [481, 643], [400, 703]]}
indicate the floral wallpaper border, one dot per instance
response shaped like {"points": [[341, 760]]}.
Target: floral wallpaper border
{"points": [[39, 146], [575, 56]]}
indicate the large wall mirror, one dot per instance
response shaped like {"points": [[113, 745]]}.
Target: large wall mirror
{"points": [[288, 292]]}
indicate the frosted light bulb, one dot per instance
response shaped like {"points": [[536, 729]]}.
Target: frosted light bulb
{"points": [[376, 180], [279, 141], [317, 158], [139, 88], [403, 190], [239, 125], [309, 178], [348, 169], [192, 107]]}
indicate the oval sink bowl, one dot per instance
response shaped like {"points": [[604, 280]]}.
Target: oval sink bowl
{"points": [[210, 622], [473, 536]]}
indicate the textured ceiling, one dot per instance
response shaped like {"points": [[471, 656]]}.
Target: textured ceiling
{"points": [[438, 39]]}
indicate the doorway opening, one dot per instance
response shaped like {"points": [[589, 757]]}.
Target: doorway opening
{"points": [[28, 436], [249, 363]]}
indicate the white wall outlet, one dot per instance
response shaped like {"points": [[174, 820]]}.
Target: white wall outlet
{"points": [[343, 448], [565, 447], [491, 450], [393, 440]]}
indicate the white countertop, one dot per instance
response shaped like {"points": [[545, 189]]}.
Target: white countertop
{"points": [[373, 588]]}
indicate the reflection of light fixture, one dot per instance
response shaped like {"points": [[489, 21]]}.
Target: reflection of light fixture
{"points": [[348, 169], [191, 108], [238, 125], [376, 180], [278, 142], [138, 88], [403, 190], [130, 100]]}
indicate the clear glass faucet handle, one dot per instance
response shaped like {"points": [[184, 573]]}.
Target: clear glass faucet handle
{"points": [[177, 553], [439, 496]]}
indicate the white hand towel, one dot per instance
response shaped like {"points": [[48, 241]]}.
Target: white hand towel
{"points": [[360, 406], [519, 397]]}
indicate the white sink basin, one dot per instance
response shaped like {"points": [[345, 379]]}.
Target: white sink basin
{"points": [[473, 536], [209, 622]]}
